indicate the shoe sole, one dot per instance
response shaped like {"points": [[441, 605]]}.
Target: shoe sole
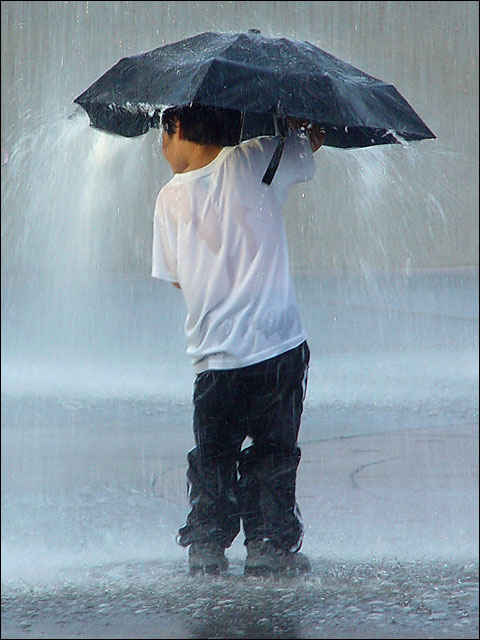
{"points": [[213, 569], [206, 571], [264, 571], [258, 572]]}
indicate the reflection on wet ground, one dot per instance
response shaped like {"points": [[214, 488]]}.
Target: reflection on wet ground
{"points": [[158, 600], [92, 497]]}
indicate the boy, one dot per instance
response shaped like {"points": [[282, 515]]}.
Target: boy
{"points": [[220, 238]]}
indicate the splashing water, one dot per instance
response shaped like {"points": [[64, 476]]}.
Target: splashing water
{"points": [[75, 227]]}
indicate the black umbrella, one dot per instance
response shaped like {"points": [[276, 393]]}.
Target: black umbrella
{"points": [[266, 79]]}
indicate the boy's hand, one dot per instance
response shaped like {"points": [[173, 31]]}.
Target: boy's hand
{"points": [[315, 132]]}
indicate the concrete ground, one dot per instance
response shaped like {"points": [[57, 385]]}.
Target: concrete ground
{"points": [[391, 529]]}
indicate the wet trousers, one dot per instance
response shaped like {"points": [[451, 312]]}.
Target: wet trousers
{"points": [[256, 485]]}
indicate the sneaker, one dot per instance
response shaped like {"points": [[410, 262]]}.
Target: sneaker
{"points": [[206, 557], [263, 560]]}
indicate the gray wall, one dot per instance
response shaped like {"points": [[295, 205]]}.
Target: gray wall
{"points": [[394, 207]]}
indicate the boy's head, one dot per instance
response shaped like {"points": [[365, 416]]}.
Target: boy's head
{"points": [[203, 125]]}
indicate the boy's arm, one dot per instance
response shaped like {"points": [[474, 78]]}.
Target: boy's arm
{"points": [[315, 132]]}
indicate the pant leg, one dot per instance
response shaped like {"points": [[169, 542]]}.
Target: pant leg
{"points": [[219, 429], [268, 468], [267, 489]]}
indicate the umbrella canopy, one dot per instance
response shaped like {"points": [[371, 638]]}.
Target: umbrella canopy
{"points": [[266, 79]]}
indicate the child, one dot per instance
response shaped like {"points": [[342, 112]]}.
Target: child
{"points": [[220, 238]]}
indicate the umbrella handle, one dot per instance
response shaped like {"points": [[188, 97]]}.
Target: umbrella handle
{"points": [[275, 161]]}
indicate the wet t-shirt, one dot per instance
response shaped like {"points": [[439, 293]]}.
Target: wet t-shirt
{"points": [[219, 233]]}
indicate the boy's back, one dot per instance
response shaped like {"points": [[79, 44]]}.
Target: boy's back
{"points": [[219, 236], [219, 233]]}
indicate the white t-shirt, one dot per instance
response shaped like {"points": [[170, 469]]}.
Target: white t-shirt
{"points": [[219, 233]]}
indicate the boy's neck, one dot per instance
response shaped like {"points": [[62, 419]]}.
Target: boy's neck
{"points": [[199, 155]]}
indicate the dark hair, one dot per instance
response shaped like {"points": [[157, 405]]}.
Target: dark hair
{"points": [[204, 125]]}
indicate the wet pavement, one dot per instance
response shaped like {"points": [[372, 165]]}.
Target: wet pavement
{"points": [[352, 600], [88, 539]]}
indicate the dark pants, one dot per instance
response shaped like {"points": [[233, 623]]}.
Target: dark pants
{"points": [[256, 485]]}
